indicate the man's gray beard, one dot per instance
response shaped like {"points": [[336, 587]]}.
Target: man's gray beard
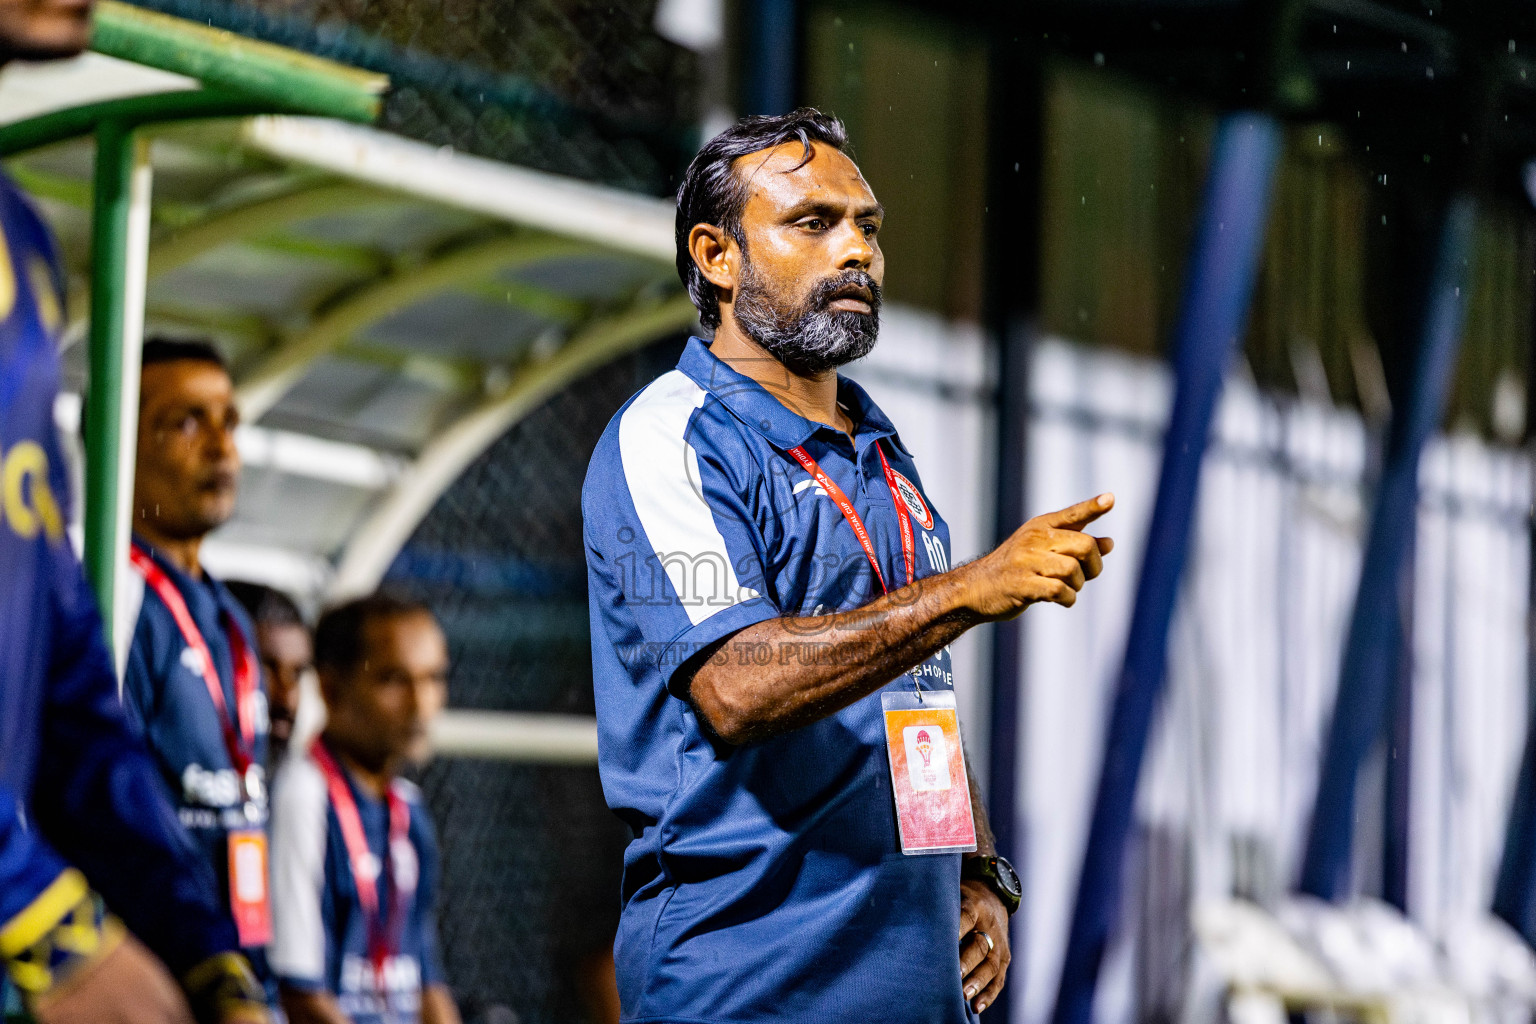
{"points": [[808, 339]]}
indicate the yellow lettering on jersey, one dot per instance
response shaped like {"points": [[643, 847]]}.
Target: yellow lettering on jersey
{"points": [[45, 295], [7, 278], [29, 502]]}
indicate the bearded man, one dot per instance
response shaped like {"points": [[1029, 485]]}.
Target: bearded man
{"points": [[769, 640]]}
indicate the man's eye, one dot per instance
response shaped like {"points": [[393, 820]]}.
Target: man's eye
{"points": [[816, 224], [871, 230], [188, 426]]}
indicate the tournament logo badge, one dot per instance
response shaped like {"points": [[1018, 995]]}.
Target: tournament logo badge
{"points": [[914, 499], [927, 758]]}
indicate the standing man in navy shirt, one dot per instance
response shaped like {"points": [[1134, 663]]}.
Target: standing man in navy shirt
{"points": [[193, 681], [772, 601], [354, 853]]}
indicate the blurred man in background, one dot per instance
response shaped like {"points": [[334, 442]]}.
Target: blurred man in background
{"points": [[85, 830], [193, 682], [287, 653], [354, 853]]}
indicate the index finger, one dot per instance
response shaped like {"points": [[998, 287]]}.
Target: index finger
{"points": [[1075, 517]]}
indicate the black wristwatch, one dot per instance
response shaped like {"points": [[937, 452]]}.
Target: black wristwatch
{"points": [[998, 875]]}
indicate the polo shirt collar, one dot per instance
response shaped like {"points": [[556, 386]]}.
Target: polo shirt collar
{"points": [[755, 406], [193, 589]]}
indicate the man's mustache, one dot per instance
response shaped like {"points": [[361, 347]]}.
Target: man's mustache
{"points": [[848, 284]]}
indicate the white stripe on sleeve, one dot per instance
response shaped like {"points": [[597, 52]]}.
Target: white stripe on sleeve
{"points": [[299, 816], [661, 470]]}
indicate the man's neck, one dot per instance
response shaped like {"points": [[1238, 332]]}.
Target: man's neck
{"points": [[374, 777], [183, 552], [813, 397]]}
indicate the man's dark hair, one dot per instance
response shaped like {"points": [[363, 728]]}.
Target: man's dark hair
{"points": [[339, 634], [713, 193], [266, 605], [174, 350]]}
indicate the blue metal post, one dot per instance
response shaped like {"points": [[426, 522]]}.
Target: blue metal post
{"points": [[1219, 283], [771, 43], [1370, 663], [1015, 147], [1514, 894]]}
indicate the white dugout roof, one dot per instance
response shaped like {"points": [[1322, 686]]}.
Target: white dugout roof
{"points": [[390, 309]]}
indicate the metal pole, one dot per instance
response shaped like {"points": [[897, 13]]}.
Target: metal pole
{"points": [[1514, 893], [771, 45], [1365, 682], [1397, 799], [1016, 116], [119, 258], [285, 78], [1219, 283]]}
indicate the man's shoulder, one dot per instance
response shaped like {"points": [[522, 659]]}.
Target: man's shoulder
{"points": [[25, 228], [298, 788], [423, 830], [657, 424]]}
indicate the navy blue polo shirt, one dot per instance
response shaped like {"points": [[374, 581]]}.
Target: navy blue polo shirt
{"points": [[766, 881], [320, 941], [167, 699]]}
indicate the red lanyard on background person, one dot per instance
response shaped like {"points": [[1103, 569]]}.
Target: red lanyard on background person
{"points": [[241, 744], [383, 929], [908, 542]]}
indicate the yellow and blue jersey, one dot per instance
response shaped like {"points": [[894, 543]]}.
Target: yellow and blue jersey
{"points": [[78, 792]]}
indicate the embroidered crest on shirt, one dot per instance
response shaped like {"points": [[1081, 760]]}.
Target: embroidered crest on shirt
{"points": [[914, 499]]}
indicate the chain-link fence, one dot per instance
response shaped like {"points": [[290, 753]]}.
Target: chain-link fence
{"points": [[579, 87], [531, 854]]}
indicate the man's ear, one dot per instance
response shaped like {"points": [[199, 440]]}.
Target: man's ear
{"points": [[716, 254]]}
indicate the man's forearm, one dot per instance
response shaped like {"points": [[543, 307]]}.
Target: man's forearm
{"points": [[437, 1006], [805, 669], [802, 670], [317, 1007], [986, 842]]}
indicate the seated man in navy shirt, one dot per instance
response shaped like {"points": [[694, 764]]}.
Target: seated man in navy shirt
{"points": [[354, 856], [771, 602], [286, 651], [193, 682]]}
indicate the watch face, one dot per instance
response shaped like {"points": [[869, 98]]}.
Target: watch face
{"points": [[1008, 877]]}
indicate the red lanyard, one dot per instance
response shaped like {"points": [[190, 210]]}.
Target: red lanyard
{"points": [[383, 931], [908, 544], [241, 744]]}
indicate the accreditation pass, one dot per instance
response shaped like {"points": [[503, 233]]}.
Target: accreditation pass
{"points": [[928, 779]]}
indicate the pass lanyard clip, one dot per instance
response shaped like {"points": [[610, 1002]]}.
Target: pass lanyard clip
{"points": [[239, 734], [384, 928], [903, 517]]}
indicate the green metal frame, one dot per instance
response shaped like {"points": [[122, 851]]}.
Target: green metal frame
{"points": [[231, 63], [239, 77]]}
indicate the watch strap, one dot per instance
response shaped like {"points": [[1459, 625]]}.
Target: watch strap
{"points": [[984, 869]]}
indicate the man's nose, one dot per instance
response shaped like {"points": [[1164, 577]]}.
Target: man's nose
{"points": [[858, 252], [221, 443]]}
